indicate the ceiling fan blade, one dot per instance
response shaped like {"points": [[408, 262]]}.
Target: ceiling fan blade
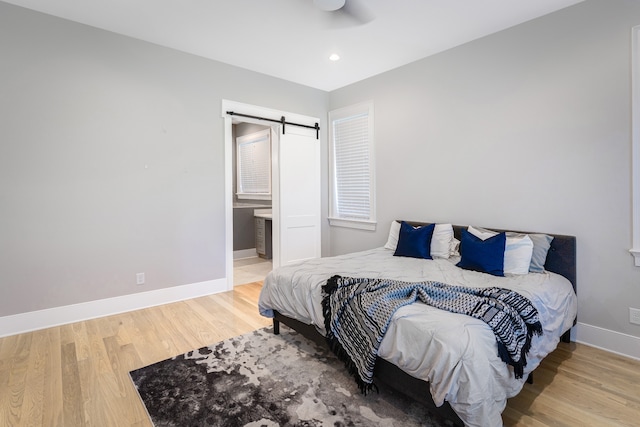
{"points": [[340, 14], [357, 12], [328, 5]]}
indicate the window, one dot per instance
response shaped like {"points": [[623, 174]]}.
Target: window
{"points": [[254, 166], [352, 202]]}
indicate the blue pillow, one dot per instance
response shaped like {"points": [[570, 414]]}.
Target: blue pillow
{"points": [[414, 242], [486, 256]]}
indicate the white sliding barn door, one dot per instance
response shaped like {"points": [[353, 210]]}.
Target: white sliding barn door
{"points": [[297, 198]]}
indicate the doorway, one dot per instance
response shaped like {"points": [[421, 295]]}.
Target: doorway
{"points": [[295, 184], [252, 202]]}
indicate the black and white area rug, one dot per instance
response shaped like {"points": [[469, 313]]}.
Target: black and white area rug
{"points": [[260, 379]]}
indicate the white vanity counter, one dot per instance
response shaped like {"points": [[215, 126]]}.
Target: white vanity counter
{"points": [[263, 213]]}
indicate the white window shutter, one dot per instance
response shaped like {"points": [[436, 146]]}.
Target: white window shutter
{"points": [[254, 165], [352, 166]]}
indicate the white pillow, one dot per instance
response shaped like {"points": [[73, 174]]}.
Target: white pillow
{"points": [[394, 232], [441, 240], [454, 247], [481, 233], [517, 253]]}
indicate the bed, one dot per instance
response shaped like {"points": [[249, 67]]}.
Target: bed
{"points": [[447, 361]]}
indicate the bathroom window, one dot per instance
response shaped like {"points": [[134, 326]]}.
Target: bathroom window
{"points": [[254, 166]]}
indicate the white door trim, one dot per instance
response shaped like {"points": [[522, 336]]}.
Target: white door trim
{"points": [[257, 111]]}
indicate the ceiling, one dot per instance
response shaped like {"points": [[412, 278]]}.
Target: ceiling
{"points": [[293, 39]]}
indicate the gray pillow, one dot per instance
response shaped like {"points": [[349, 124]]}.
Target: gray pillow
{"points": [[541, 245]]}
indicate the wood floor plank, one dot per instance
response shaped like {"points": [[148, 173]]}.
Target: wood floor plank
{"points": [[72, 408], [581, 393], [121, 332], [52, 414], [98, 405], [124, 359], [565, 391], [212, 329], [16, 384], [78, 334], [78, 374], [33, 399], [147, 342], [555, 412], [66, 334], [225, 319], [11, 394], [5, 395], [187, 334], [243, 308]]}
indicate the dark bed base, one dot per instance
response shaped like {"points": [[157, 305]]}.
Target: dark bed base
{"points": [[561, 259], [385, 372]]}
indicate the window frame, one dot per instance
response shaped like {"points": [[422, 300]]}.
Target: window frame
{"points": [[635, 143], [334, 217]]}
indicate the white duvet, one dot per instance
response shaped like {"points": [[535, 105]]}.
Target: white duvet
{"points": [[456, 354]]}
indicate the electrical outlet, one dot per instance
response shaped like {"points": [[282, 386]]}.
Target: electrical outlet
{"points": [[634, 315], [139, 278]]}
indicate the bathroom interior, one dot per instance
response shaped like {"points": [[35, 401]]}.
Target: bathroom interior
{"points": [[252, 208]]}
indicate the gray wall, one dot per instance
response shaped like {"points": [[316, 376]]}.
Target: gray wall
{"points": [[112, 161], [529, 128]]}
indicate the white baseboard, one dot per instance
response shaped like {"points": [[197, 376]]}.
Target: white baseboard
{"points": [[41, 319], [605, 339], [245, 253]]}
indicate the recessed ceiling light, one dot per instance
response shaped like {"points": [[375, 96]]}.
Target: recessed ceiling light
{"points": [[334, 57]]}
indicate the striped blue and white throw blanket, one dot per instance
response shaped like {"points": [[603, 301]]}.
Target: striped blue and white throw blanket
{"points": [[357, 313]]}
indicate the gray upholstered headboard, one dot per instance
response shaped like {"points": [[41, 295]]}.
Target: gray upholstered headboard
{"points": [[561, 258]]}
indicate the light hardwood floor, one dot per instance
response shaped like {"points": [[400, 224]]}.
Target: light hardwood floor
{"points": [[77, 374]]}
